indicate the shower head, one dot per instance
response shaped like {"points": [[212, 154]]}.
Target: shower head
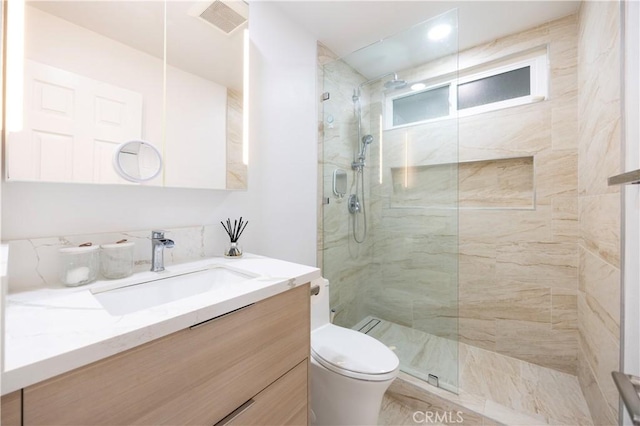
{"points": [[367, 139], [396, 83]]}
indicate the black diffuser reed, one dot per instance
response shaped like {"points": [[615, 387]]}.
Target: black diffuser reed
{"points": [[234, 232]]}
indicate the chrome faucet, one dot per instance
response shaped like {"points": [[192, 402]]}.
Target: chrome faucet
{"points": [[158, 244]]}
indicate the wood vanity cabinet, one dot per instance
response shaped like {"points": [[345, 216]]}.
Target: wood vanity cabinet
{"points": [[245, 367], [11, 409]]}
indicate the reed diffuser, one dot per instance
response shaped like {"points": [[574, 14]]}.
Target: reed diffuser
{"points": [[234, 233]]}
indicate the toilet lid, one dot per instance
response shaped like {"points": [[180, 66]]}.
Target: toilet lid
{"points": [[344, 350]]}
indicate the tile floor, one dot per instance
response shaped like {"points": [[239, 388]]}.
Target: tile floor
{"points": [[491, 388]]}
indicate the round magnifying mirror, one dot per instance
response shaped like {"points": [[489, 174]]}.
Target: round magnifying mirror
{"points": [[137, 161]]}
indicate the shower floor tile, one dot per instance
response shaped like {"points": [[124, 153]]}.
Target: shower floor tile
{"points": [[505, 389]]}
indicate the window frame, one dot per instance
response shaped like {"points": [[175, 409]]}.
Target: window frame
{"points": [[537, 62]]}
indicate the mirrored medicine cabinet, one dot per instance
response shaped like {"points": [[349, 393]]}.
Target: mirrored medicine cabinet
{"points": [[97, 74]]}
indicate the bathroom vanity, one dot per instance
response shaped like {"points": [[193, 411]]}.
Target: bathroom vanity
{"points": [[247, 364]]}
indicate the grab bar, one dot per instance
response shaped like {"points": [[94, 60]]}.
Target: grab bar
{"points": [[629, 388], [632, 177]]}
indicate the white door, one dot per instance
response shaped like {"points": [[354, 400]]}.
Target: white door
{"points": [[71, 126]]}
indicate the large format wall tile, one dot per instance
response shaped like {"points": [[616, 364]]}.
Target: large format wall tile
{"points": [[600, 287], [564, 309], [518, 269], [600, 225], [599, 145], [564, 219], [601, 350], [478, 332], [599, 103], [538, 343], [344, 262], [600, 411], [512, 132], [533, 262], [515, 264]]}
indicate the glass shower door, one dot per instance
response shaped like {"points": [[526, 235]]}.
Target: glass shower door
{"points": [[390, 124]]}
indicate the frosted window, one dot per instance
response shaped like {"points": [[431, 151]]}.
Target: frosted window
{"points": [[421, 106], [499, 87]]}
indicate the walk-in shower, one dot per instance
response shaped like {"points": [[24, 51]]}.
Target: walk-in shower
{"points": [[466, 178]]}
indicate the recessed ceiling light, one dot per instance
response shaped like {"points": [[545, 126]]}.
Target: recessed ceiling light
{"points": [[418, 86], [439, 32]]}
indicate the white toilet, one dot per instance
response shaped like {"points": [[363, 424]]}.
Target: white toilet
{"points": [[350, 371]]}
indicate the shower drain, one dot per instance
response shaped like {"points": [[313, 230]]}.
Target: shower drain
{"points": [[369, 326]]}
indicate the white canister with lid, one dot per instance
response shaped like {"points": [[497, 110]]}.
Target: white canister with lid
{"points": [[79, 265], [117, 260]]}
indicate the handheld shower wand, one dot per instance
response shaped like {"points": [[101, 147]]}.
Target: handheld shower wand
{"points": [[366, 140], [358, 164]]}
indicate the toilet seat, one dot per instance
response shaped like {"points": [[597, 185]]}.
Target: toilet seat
{"points": [[353, 354]]}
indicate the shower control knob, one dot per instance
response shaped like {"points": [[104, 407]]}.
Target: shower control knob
{"points": [[354, 204]]}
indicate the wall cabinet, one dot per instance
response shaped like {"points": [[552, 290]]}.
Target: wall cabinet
{"points": [[245, 367], [172, 79]]}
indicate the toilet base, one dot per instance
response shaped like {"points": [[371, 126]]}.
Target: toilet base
{"points": [[338, 400]]}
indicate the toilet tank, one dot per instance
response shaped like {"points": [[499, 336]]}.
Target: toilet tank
{"points": [[320, 304]]}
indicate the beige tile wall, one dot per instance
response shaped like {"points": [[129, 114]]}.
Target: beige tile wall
{"points": [[344, 262], [414, 190], [514, 270], [518, 267], [599, 206], [539, 284]]}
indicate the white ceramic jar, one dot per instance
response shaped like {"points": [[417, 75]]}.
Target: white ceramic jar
{"points": [[116, 260]]}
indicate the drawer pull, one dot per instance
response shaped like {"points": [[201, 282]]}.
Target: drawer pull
{"points": [[205, 322], [235, 413]]}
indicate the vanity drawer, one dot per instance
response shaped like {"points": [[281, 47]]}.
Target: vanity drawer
{"points": [[195, 376], [11, 409], [282, 403]]}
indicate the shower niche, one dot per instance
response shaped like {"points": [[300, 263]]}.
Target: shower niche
{"points": [[505, 183]]}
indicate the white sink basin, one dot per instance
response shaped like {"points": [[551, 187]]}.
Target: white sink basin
{"points": [[147, 294]]}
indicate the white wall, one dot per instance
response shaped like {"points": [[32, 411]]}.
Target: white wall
{"points": [[280, 203], [283, 162]]}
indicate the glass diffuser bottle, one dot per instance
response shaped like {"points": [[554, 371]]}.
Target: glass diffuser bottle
{"points": [[234, 231]]}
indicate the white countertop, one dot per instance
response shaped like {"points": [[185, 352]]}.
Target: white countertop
{"points": [[51, 331]]}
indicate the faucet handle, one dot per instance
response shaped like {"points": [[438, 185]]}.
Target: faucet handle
{"points": [[157, 234]]}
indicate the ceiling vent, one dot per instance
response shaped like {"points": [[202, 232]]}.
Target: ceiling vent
{"points": [[225, 15]]}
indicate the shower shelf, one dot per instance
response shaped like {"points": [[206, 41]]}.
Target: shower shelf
{"points": [[632, 177]]}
